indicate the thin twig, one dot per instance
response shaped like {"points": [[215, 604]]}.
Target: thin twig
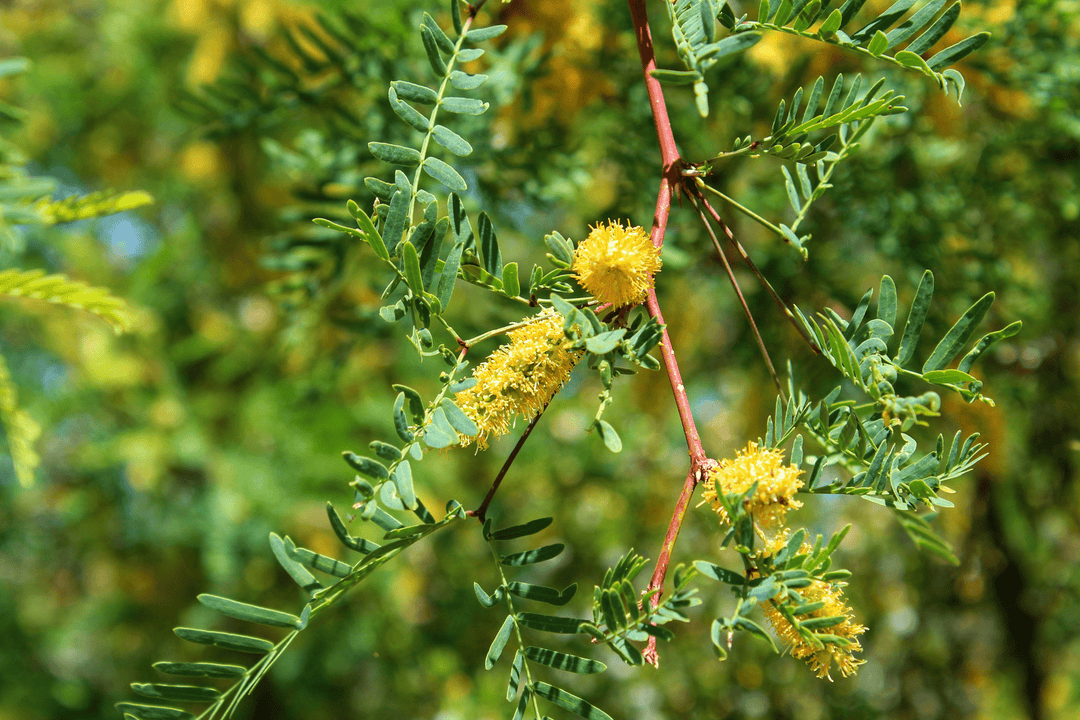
{"points": [[742, 300], [481, 512], [757, 273]]}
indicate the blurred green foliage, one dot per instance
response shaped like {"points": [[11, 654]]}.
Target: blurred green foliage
{"points": [[168, 455]]}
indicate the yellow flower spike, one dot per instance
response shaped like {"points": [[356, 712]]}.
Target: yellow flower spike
{"points": [[820, 659], [616, 264], [519, 378], [775, 495]]}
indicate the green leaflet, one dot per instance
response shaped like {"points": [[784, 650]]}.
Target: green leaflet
{"points": [[176, 693], [549, 623], [569, 701], [958, 334], [225, 641], [543, 594], [562, 661], [152, 712], [531, 557], [916, 317], [445, 174], [517, 531], [213, 670], [498, 643], [451, 141], [395, 154], [249, 613]]}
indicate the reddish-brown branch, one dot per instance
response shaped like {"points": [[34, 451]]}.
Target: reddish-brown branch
{"points": [[668, 150], [670, 182]]}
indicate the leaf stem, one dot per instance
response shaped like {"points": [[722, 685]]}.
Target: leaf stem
{"points": [[745, 210], [757, 273], [742, 300]]}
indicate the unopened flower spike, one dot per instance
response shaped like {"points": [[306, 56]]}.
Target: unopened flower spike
{"points": [[775, 494], [616, 264], [519, 378]]}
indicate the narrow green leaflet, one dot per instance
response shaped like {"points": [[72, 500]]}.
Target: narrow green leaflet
{"points": [[366, 466], [569, 701], [176, 693], [987, 342], [449, 275], [562, 661], [213, 670], [918, 529], [958, 334], [297, 572], [541, 593], [959, 51], [458, 419], [250, 613], [225, 641], [916, 317], [497, 645], [549, 623], [395, 154], [531, 557], [463, 106], [403, 482], [152, 712], [445, 174], [518, 531], [451, 141], [371, 235], [412, 267], [487, 33]]}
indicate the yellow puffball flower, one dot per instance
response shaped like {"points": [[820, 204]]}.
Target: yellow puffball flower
{"points": [[519, 378], [775, 495], [616, 264], [820, 658]]}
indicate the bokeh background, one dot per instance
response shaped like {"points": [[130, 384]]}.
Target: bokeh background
{"points": [[171, 453]]}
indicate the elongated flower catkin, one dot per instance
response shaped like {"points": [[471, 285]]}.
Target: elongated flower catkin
{"points": [[820, 659], [519, 378], [775, 494], [616, 264]]}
